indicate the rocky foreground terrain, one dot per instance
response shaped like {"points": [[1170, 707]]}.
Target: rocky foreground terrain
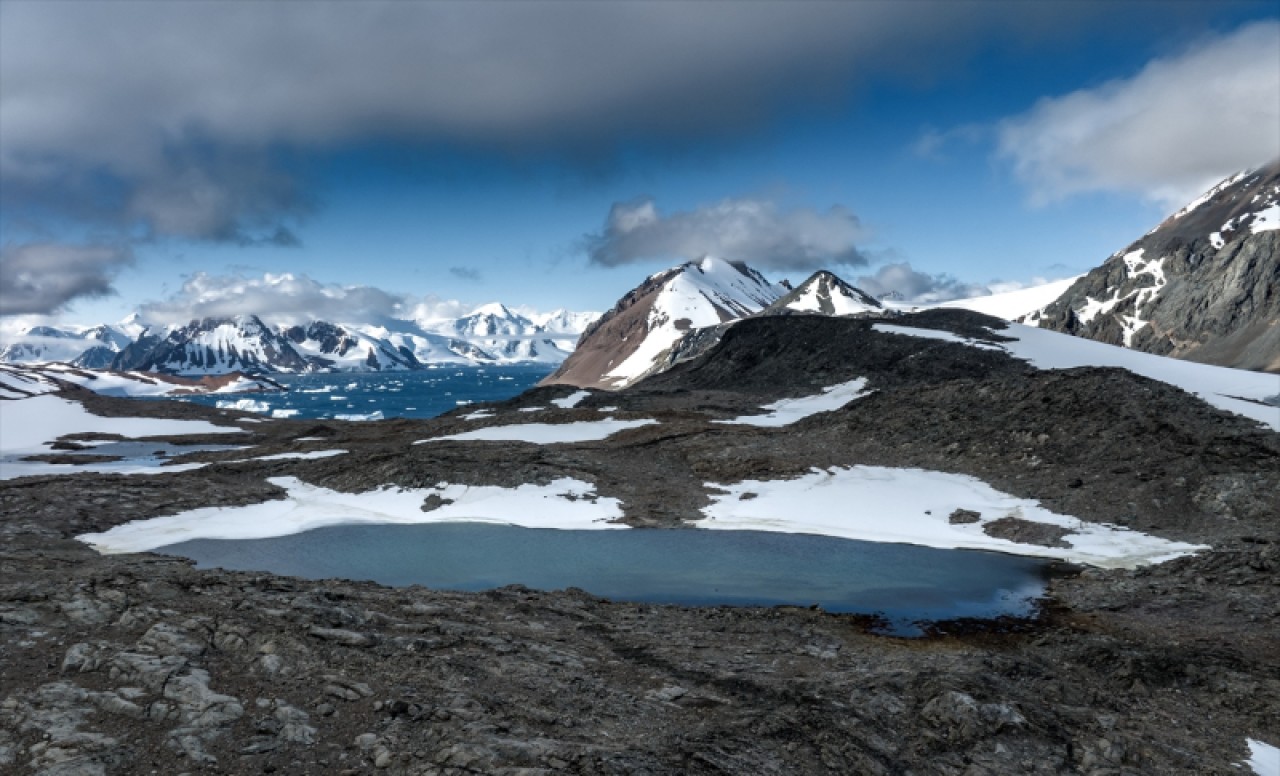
{"points": [[125, 664]]}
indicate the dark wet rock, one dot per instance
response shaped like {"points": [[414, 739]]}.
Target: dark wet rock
{"points": [[1022, 531], [963, 516]]}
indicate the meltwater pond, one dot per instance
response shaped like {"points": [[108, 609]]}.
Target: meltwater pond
{"points": [[905, 583]]}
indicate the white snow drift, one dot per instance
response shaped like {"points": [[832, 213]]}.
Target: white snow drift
{"points": [[31, 424], [912, 506], [784, 412], [545, 433], [1264, 759], [1234, 390], [563, 503]]}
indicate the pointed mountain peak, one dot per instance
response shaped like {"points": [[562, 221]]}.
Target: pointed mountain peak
{"points": [[496, 309], [634, 338], [825, 293]]}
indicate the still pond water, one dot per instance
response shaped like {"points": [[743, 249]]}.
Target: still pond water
{"points": [[904, 583]]}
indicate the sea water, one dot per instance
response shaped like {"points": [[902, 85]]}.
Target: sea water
{"points": [[376, 395], [903, 583]]}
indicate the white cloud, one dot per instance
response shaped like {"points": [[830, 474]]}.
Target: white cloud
{"points": [[901, 281], [754, 231], [284, 298], [1167, 133]]}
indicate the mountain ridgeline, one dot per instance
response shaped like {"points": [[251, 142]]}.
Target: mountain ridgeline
{"points": [[677, 313], [1204, 285], [492, 334]]}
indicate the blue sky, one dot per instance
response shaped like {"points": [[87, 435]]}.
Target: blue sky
{"points": [[554, 154]]}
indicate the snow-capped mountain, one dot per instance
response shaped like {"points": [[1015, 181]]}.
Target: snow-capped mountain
{"points": [[91, 347], [633, 339], [826, 294], [1204, 285], [507, 335], [564, 322], [213, 346], [491, 334]]}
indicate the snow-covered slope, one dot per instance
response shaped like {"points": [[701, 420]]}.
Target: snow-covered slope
{"points": [[93, 346], [826, 294], [1203, 285], [1254, 395], [1013, 305], [21, 380], [328, 346], [214, 346], [631, 340], [507, 336]]}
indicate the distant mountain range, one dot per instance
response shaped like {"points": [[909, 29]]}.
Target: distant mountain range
{"points": [[1204, 285], [491, 334]]}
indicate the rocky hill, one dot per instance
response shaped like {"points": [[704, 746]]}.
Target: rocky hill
{"points": [[635, 337], [1204, 285]]}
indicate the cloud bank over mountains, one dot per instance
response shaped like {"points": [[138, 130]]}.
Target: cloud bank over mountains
{"points": [[750, 230]]}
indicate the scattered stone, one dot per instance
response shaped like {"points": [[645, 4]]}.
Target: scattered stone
{"points": [[342, 636]]}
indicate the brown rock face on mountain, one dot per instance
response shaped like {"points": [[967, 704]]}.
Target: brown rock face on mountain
{"points": [[1204, 285], [611, 339], [698, 294]]}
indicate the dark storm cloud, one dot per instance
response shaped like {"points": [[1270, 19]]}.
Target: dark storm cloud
{"points": [[181, 117], [754, 231], [40, 278], [900, 281]]}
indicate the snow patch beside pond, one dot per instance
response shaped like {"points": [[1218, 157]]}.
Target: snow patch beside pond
{"points": [[913, 506], [784, 412], [545, 433], [563, 503]]}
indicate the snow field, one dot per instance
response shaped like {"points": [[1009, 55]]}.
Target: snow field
{"points": [[545, 433], [912, 506], [1264, 759], [784, 412], [29, 425], [564, 503]]}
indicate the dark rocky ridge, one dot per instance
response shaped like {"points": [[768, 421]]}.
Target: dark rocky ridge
{"points": [[1220, 303], [128, 663]]}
